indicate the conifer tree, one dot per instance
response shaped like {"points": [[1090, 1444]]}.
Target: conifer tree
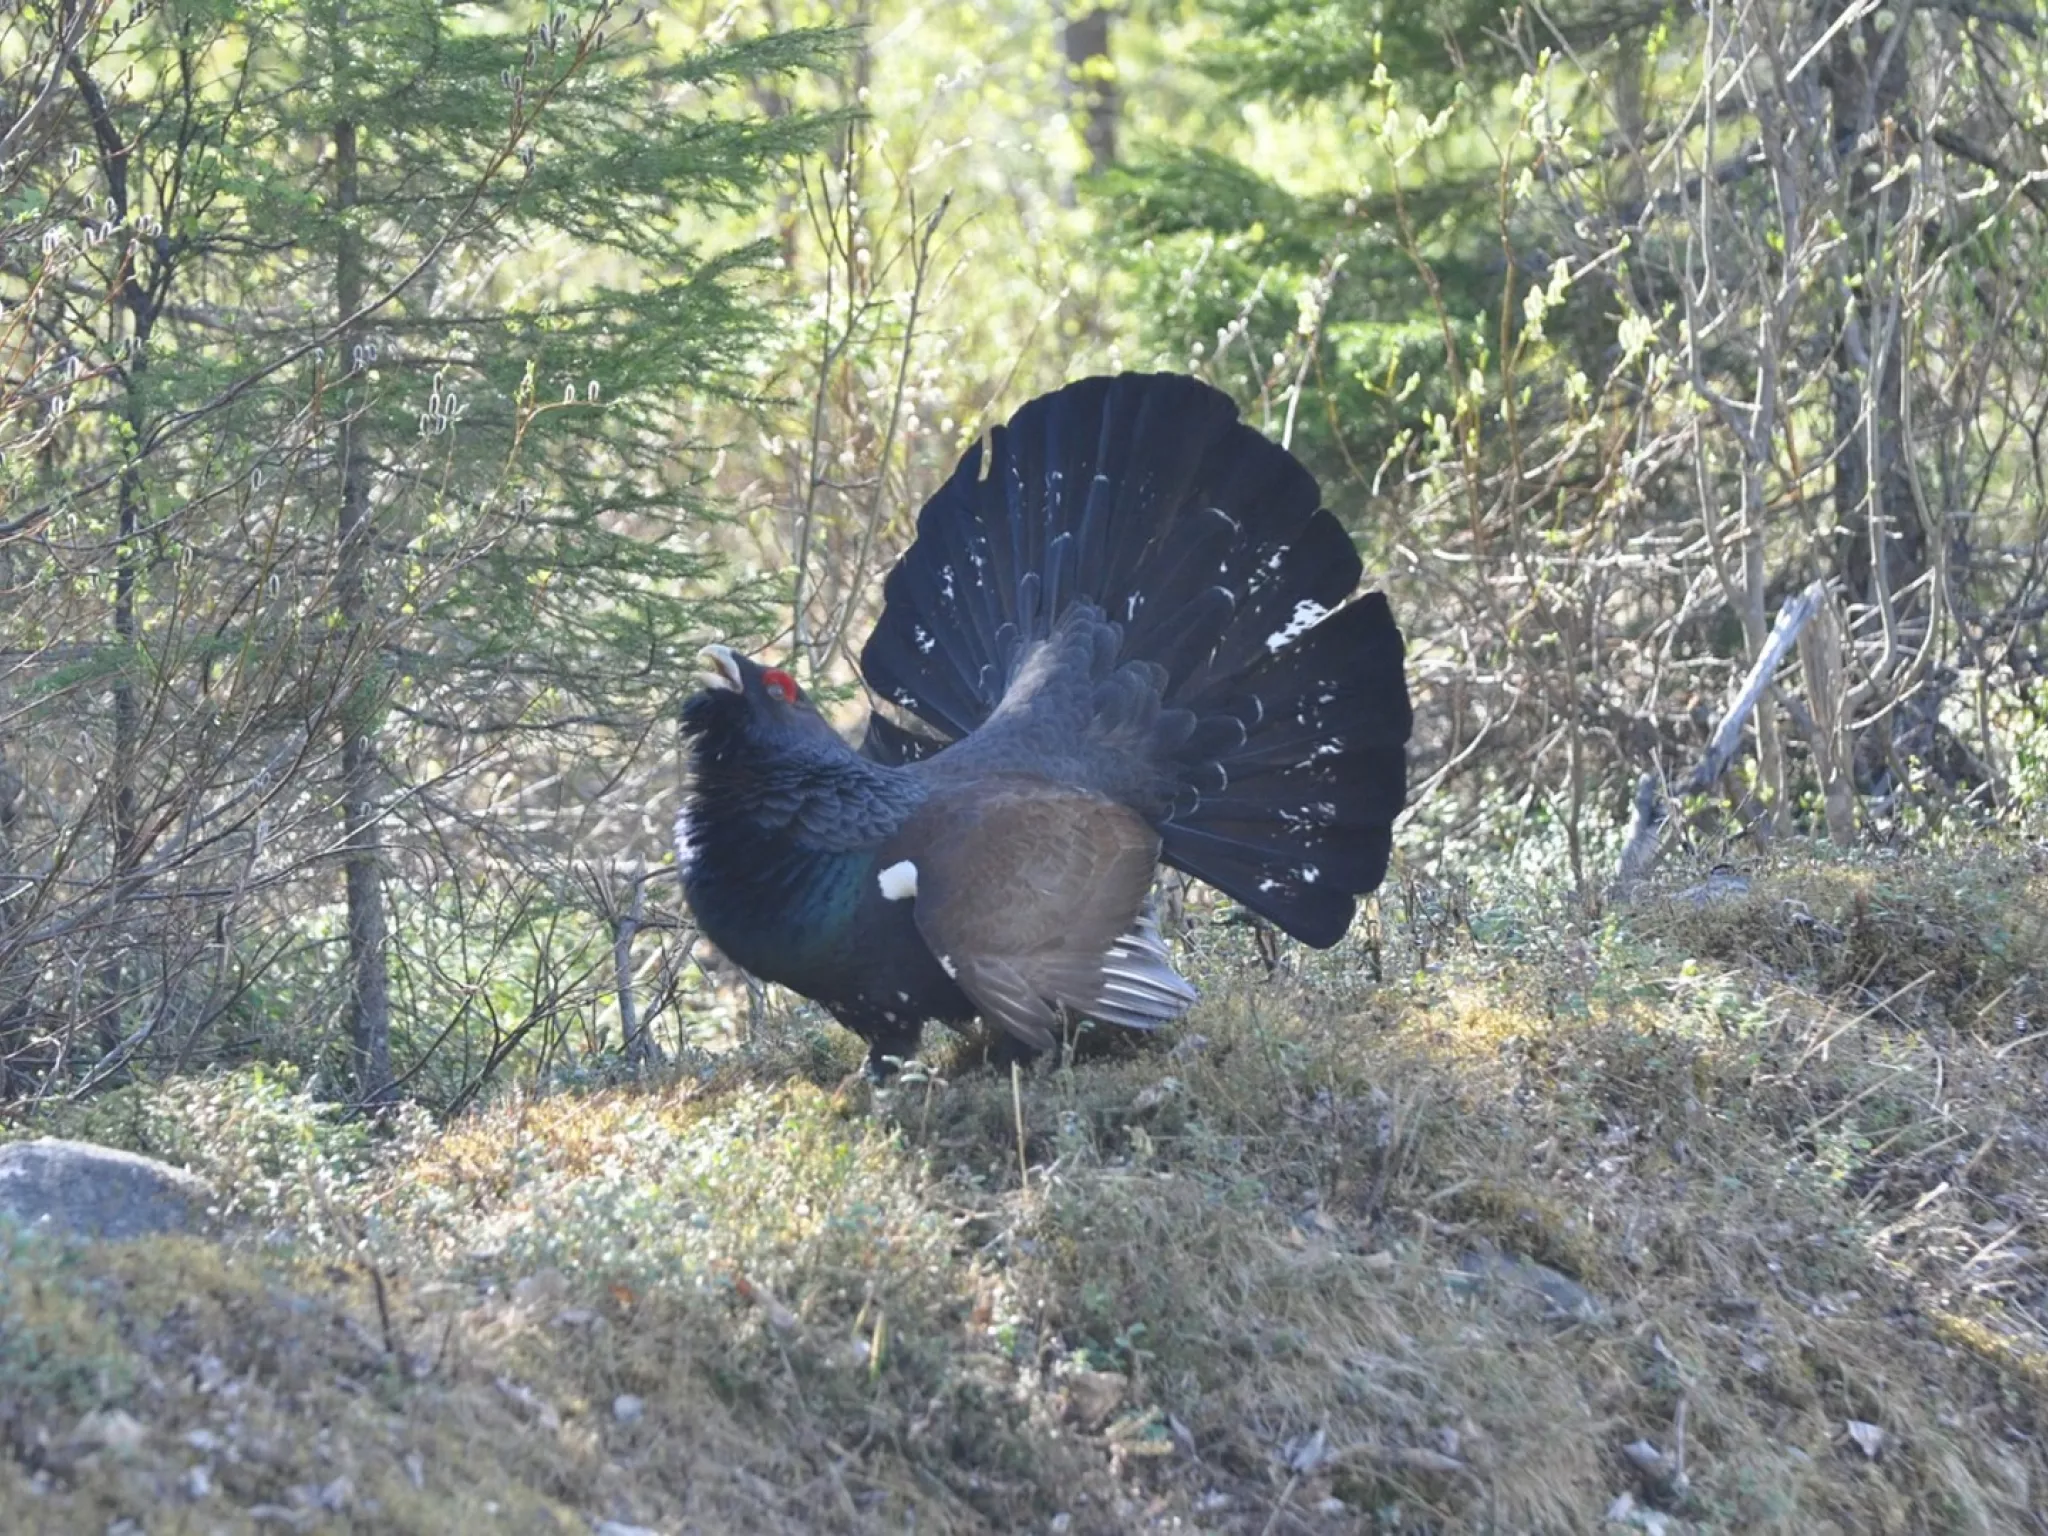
{"points": [[354, 463]]}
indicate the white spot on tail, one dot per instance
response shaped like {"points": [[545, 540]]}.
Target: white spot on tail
{"points": [[1310, 874], [898, 881], [1307, 614], [924, 641]]}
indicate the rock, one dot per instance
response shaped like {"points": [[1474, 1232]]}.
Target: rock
{"points": [[1723, 884], [1663, 1478], [1152, 1097], [1092, 1396], [1626, 1512], [1518, 1282], [543, 1291], [97, 1192], [110, 1429]]}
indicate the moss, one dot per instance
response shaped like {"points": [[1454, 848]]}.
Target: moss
{"points": [[743, 1301]]}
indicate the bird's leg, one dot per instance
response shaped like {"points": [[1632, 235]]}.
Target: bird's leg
{"points": [[1005, 1050], [889, 1044]]}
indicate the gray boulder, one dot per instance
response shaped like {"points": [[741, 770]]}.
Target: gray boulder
{"points": [[91, 1191], [1522, 1284]]}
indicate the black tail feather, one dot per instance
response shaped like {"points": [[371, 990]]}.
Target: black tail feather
{"points": [[1207, 543], [892, 744]]}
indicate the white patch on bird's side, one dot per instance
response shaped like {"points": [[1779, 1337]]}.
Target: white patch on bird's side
{"points": [[1307, 614], [946, 964], [898, 881], [686, 851]]}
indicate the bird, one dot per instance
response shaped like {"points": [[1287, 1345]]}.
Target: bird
{"points": [[1126, 633]]}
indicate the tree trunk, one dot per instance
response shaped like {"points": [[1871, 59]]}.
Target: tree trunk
{"points": [[138, 304], [122, 837], [18, 1072], [636, 1039], [1882, 545], [1631, 121], [1770, 746], [1091, 82], [369, 987], [1821, 646]]}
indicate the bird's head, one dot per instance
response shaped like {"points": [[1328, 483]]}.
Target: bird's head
{"points": [[744, 705]]}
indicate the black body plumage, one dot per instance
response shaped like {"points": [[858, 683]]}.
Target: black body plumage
{"points": [[1128, 635]]}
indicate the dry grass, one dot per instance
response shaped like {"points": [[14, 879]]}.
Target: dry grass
{"points": [[1705, 1218]]}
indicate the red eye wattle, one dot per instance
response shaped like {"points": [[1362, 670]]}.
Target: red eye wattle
{"points": [[782, 683]]}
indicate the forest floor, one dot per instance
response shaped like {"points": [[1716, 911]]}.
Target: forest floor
{"points": [[1724, 1211]]}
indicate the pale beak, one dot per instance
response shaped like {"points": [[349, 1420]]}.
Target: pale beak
{"points": [[720, 669]]}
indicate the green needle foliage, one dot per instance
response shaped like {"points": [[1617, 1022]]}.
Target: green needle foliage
{"points": [[351, 477], [1613, 329]]}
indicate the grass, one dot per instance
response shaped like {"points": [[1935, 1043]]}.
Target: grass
{"points": [[1696, 1217]]}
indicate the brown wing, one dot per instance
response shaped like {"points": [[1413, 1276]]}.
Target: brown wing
{"points": [[1033, 896]]}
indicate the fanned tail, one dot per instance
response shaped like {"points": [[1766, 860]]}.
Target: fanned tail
{"points": [[1147, 497]]}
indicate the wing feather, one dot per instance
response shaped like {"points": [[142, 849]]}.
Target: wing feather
{"points": [[1034, 896]]}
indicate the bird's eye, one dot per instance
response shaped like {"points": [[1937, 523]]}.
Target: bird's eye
{"points": [[782, 683]]}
